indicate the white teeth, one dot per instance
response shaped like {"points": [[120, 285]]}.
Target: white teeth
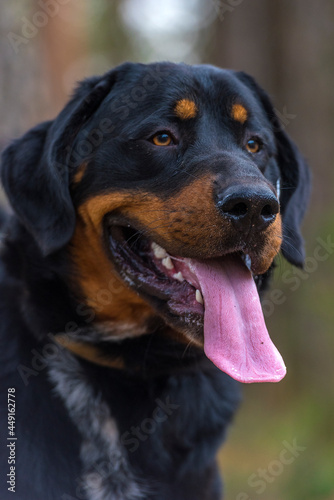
{"points": [[159, 252], [178, 276], [167, 262], [199, 297]]}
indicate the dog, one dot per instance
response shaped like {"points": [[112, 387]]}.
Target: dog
{"points": [[146, 220]]}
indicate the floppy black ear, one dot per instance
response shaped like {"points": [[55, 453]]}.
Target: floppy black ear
{"points": [[296, 188], [35, 172], [295, 180], [37, 193]]}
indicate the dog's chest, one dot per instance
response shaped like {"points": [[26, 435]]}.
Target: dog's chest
{"points": [[165, 431]]}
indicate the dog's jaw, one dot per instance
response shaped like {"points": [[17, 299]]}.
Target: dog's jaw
{"points": [[214, 302]]}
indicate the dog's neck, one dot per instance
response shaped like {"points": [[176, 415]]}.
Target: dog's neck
{"points": [[146, 356], [148, 349]]}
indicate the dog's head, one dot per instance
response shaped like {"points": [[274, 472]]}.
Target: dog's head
{"points": [[168, 181]]}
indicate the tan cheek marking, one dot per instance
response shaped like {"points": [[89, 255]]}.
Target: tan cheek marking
{"points": [[184, 222], [239, 113], [194, 215], [272, 245], [187, 221], [100, 287], [93, 210], [185, 109], [192, 211], [79, 174]]}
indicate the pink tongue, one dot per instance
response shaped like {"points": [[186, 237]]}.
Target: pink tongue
{"points": [[235, 335]]}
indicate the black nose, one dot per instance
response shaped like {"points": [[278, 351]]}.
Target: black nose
{"points": [[249, 207]]}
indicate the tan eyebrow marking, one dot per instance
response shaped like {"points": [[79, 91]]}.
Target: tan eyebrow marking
{"points": [[79, 174], [185, 109], [239, 113]]}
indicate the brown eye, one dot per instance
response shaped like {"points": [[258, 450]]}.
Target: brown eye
{"points": [[253, 146], [162, 139]]}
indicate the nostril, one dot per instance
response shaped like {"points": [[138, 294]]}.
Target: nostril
{"points": [[267, 211], [248, 208], [237, 210], [270, 210]]}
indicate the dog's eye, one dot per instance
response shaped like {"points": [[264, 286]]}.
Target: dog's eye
{"points": [[162, 139], [253, 145]]}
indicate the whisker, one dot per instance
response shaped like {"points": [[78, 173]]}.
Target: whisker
{"points": [[291, 245], [187, 347]]}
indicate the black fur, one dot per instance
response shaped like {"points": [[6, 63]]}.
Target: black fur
{"points": [[67, 409]]}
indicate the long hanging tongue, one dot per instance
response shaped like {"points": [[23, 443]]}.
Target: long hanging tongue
{"points": [[235, 335]]}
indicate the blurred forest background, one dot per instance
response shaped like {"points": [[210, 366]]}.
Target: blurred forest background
{"points": [[288, 45]]}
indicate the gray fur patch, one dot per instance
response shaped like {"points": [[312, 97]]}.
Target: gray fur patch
{"points": [[106, 472]]}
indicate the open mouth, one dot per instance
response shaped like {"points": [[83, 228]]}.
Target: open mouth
{"points": [[214, 301], [148, 267]]}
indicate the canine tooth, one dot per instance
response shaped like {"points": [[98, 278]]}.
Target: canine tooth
{"points": [[159, 252], [167, 262], [199, 297], [178, 276]]}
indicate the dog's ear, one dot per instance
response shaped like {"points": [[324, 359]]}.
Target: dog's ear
{"points": [[36, 191], [295, 179], [35, 171]]}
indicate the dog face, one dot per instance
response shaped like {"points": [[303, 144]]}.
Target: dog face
{"points": [[166, 179]]}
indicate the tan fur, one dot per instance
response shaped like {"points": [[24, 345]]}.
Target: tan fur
{"points": [[239, 113], [94, 271], [78, 176], [272, 245], [89, 352], [187, 224], [185, 109]]}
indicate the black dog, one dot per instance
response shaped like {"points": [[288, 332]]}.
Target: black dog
{"points": [[137, 213]]}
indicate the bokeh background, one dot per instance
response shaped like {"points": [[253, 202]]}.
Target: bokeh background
{"points": [[288, 45]]}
